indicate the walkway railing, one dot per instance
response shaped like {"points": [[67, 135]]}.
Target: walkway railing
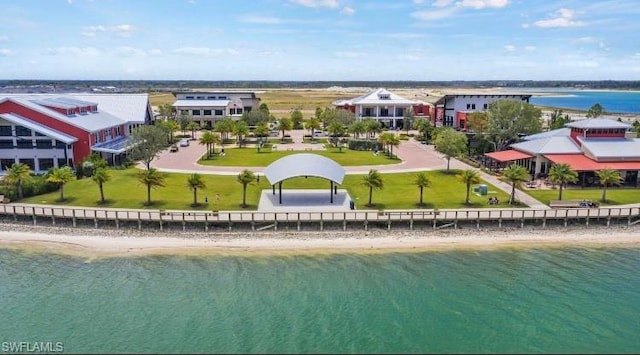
{"points": [[230, 221]]}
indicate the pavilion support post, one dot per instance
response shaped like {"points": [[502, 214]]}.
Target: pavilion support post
{"points": [[280, 192], [273, 187]]}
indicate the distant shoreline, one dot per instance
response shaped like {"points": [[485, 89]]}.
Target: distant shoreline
{"points": [[109, 243]]}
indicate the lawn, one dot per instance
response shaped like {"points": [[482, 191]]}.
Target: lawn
{"points": [[615, 196], [251, 157], [124, 191]]}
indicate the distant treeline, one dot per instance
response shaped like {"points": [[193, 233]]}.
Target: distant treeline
{"points": [[171, 85]]}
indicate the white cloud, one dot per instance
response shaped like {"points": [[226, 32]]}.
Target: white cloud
{"points": [[4, 52], [73, 51], [265, 20], [433, 15], [204, 51], [510, 48], [349, 54], [332, 4], [586, 40], [348, 11], [441, 3], [130, 52], [481, 4], [530, 48], [123, 30], [560, 18]]}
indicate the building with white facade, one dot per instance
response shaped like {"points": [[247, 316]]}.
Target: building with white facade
{"points": [[384, 106], [52, 130], [452, 110], [208, 107]]}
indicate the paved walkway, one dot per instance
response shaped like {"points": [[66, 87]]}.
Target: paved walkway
{"points": [[415, 156]]}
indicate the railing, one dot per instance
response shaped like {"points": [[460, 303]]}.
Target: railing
{"points": [[315, 221]]}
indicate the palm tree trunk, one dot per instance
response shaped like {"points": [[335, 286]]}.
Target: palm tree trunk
{"points": [[61, 192], [604, 193], [195, 197], [466, 201], [148, 194], [560, 194], [19, 189], [513, 194], [370, 194], [244, 195], [448, 162], [421, 188], [101, 193]]}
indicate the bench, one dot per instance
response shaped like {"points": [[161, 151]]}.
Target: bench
{"points": [[569, 204]]}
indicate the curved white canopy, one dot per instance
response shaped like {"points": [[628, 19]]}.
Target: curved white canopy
{"points": [[304, 164]]}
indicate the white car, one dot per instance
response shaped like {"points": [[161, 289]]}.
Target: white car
{"points": [[184, 142], [319, 134]]}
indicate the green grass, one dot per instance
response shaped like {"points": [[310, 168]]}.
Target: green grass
{"points": [[251, 157], [124, 191], [615, 196]]}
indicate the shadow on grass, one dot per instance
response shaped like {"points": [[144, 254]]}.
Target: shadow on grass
{"points": [[426, 206], [107, 202]]}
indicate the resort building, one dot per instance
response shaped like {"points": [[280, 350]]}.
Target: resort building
{"points": [[53, 130], [452, 110], [208, 107], [386, 107], [586, 145]]}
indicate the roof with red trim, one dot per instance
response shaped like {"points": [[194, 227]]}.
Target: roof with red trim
{"points": [[580, 162], [508, 155]]}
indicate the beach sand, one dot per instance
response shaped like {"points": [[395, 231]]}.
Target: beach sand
{"points": [[107, 243]]}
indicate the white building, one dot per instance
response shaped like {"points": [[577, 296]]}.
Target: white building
{"points": [[208, 107], [452, 110]]}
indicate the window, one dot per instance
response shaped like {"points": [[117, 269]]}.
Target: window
{"points": [[239, 111], [94, 108], [60, 145], [473, 106], [189, 97], [22, 144], [195, 112], [83, 110], [5, 131], [8, 144], [485, 106], [384, 112], [247, 109], [222, 97], [218, 112], [43, 144], [468, 106], [211, 97], [399, 112], [200, 97], [6, 163], [38, 134], [23, 131], [45, 163], [71, 112], [30, 163], [207, 112]]}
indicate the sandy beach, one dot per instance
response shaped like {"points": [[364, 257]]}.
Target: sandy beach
{"points": [[101, 243]]}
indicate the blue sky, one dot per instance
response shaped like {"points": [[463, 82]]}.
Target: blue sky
{"points": [[320, 39]]}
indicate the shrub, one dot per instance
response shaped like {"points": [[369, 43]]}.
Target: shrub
{"points": [[364, 144]]}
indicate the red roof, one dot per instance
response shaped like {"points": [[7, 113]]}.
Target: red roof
{"points": [[580, 162], [508, 155]]}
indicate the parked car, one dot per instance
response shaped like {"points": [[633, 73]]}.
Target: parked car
{"points": [[274, 134], [320, 133], [184, 142], [173, 149]]}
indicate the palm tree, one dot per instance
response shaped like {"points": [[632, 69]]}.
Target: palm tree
{"points": [[357, 128], [192, 126], [515, 175], [469, 177], [312, 124], [373, 180], [17, 174], [195, 182], [172, 126], [421, 181], [100, 176], [285, 124], [372, 127], [240, 129], [384, 139], [562, 174], [608, 177], [246, 177], [60, 176], [151, 178], [209, 139]]}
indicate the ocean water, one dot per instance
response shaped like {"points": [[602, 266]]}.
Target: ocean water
{"points": [[627, 102], [578, 300]]}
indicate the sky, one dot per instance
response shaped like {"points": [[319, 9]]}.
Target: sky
{"points": [[421, 40]]}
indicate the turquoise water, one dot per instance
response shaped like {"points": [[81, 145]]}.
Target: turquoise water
{"points": [[612, 101], [512, 300]]}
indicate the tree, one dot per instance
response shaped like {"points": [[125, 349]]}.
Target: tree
{"points": [[450, 143], [60, 176], [167, 111], [595, 111], [264, 108], [425, 127], [255, 117], [357, 128], [515, 175], [373, 181], [195, 182], [101, 176], [245, 178], [469, 177], [508, 119], [335, 130], [345, 117], [312, 124], [152, 179], [209, 139], [240, 129], [192, 126], [284, 125], [172, 126], [297, 119], [608, 177], [562, 174], [389, 140], [146, 143], [477, 121], [372, 127], [183, 121], [558, 120], [261, 130], [421, 181], [407, 119], [17, 175], [224, 127]]}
